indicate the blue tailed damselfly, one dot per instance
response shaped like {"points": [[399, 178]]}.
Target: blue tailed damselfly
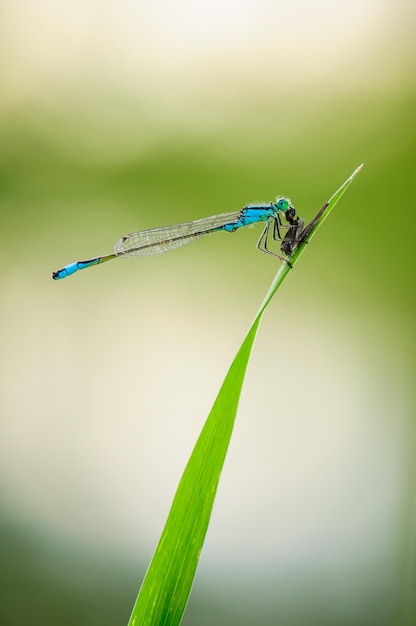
{"points": [[159, 240]]}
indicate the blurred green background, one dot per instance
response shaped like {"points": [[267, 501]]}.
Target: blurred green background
{"points": [[115, 117]]}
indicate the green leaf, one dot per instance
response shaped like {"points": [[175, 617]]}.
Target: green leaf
{"points": [[165, 590]]}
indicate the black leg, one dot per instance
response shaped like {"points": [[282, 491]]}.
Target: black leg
{"points": [[262, 244], [276, 230]]}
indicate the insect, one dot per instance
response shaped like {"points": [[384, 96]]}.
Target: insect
{"points": [[159, 240], [293, 234]]}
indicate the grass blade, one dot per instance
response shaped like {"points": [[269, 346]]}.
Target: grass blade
{"points": [[165, 590]]}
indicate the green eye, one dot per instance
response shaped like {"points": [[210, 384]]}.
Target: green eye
{"points": [[283, 204]]}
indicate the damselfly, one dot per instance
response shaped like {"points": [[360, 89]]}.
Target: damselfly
{"points": [[159, 240]]}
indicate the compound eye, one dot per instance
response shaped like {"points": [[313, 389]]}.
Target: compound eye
{"points": [[283, 204]]}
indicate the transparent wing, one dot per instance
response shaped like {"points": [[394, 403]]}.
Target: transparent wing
{"points": [[158, 240]]}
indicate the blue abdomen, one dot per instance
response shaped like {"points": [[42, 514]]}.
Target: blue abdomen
{"points": [[72, 268]]}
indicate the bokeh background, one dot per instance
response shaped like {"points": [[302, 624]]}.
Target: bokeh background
{"points": [[121, 116]]}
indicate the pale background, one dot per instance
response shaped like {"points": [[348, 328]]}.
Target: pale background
{"points": [[120, 116]]}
